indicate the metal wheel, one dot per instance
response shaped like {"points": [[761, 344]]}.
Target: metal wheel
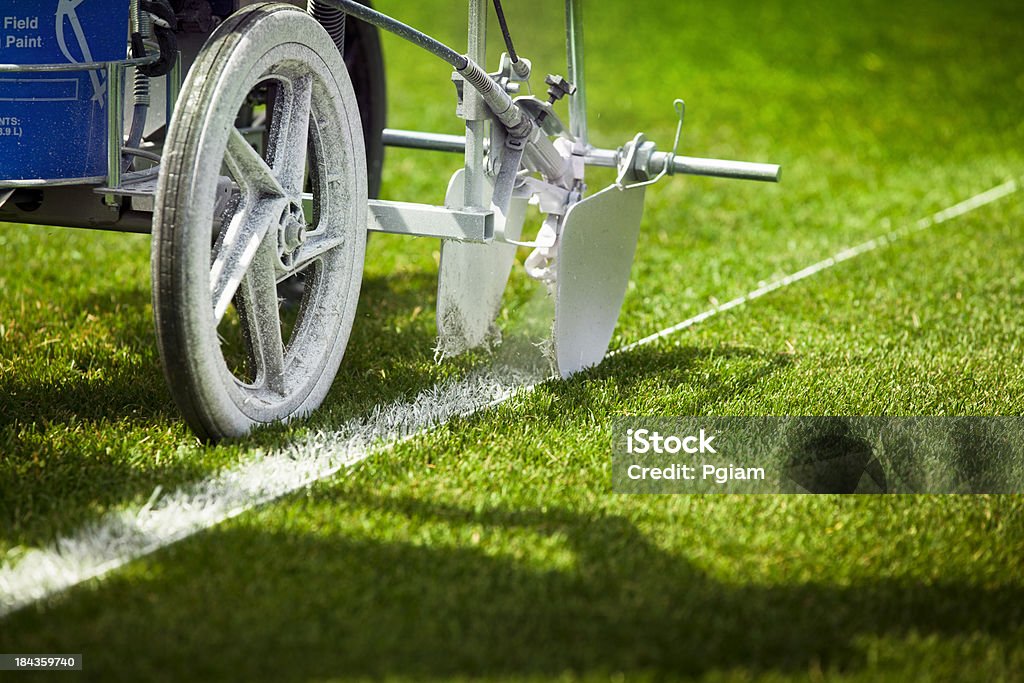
{"points": [[230, 224]]}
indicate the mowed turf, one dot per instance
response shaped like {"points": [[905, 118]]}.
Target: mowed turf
{"points": [[493, 547]]}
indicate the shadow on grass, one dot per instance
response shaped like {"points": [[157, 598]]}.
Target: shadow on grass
{"points": [[307, 605], [75, 449], [73, 443]]}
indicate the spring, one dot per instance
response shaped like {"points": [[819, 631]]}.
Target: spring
{"points": [[479, 79], [331, 19], [141, 88]]}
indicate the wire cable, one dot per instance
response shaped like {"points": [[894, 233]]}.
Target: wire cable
{"points": [[504, 31], [518, 65], [496, 99], [401, 30]]}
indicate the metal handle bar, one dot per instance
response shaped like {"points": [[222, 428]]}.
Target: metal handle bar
{"points": [[715, 168], [496, 99], [723, 168]]}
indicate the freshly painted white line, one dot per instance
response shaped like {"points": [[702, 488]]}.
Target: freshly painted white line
{"points": [[120, 537], [27, 576], [954, 211]]}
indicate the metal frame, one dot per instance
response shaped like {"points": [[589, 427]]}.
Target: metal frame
{"points": [[514, 152], [474, 221], [474, 110], [424, 220], [577, 74]]}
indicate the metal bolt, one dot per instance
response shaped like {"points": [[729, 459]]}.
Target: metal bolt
{"points": [[559, 87], [292, 230]]}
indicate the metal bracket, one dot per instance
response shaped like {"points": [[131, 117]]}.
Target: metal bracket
{"points": [[506, 76], [424, 220], [395, 218]]}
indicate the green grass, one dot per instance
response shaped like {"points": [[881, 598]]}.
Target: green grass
{"points": [[493, 546]]}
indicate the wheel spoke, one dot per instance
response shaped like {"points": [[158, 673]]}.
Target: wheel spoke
{"points": [[260, 206], [313, 248], [249, 169], [237, 247], [258, 307], [290, 122]]}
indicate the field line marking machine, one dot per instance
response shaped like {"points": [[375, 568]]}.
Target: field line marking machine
{"points": [[247, 139]]}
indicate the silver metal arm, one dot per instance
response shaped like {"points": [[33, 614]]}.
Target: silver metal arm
{"points": [[574, 45], [496, 99], [414, 139], [714, 168], [722, 168], [473, 195], [607, 158]]}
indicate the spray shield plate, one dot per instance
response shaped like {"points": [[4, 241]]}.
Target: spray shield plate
{"points": [[595, 256], [472, 277]]}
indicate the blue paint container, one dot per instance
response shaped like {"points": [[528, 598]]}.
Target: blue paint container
{"points": [[53, 126]]}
